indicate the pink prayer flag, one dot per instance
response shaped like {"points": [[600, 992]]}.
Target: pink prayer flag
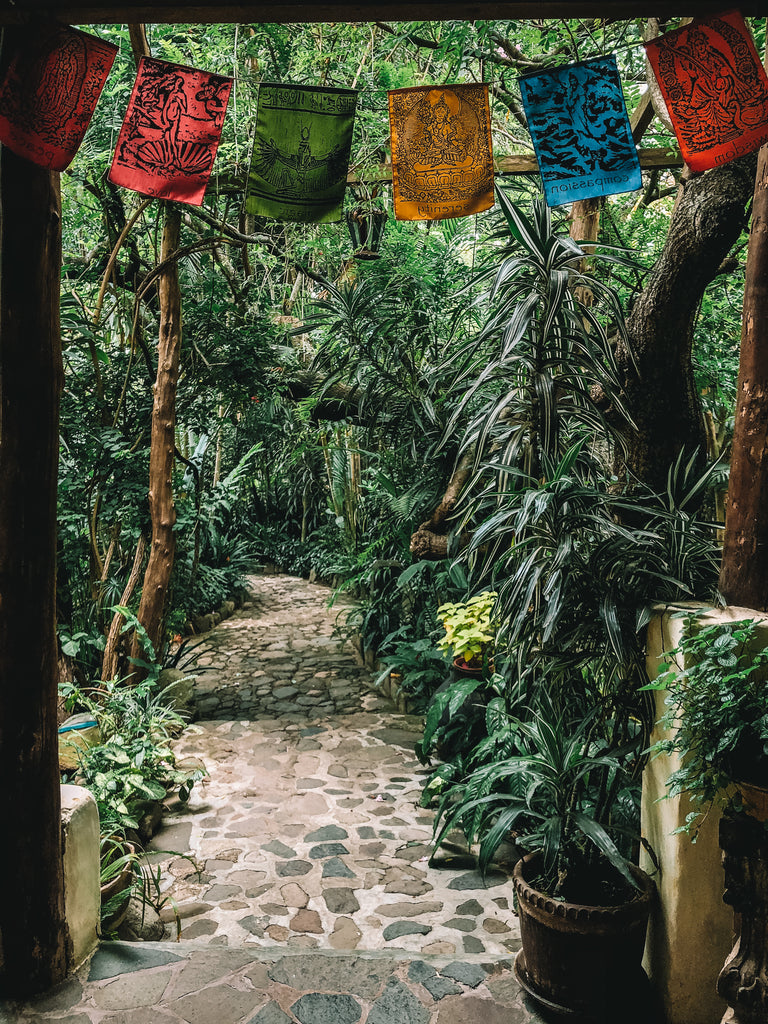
{"points": [[171, 131]]}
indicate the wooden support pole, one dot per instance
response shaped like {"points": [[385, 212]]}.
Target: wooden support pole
{"points": [[33, 940], [744, 569]]}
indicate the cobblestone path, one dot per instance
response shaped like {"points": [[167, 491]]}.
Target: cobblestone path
{"points": [[310, 900], [309, 833]]}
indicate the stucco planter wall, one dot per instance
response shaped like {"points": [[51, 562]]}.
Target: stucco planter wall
{"points": [[82, 898], [691, 930]]}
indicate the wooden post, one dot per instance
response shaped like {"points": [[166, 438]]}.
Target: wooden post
{"points": [[33, 940], [585, 227], [744, 570], [157, 576]]}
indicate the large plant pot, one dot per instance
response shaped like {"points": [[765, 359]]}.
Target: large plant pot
{"points": [[580, 961], [755, 800], [462, 668]]}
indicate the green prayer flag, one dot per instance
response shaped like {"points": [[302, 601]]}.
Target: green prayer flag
{"points": [[300, 153]]}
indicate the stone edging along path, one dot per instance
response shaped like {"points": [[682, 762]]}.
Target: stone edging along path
{"points": [[309, 833]]}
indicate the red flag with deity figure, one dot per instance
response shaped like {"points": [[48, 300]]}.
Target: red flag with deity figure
{"points": [[171, 131], [50, 91], [715, 88]]}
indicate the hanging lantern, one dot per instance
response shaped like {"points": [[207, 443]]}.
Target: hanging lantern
{"points": [[366, 224]]}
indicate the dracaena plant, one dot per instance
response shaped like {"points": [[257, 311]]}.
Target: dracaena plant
{"points": [[561, 792], [524, 382]]}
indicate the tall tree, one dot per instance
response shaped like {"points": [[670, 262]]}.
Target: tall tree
{"points": [[744, 574]]}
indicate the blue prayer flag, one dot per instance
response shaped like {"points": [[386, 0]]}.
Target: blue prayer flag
{"points": [[580, 131]]}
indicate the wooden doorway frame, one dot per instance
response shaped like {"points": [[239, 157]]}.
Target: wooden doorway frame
{"points": [[33, 941]]}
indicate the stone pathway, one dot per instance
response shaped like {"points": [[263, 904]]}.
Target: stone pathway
{"points": [[300, 875], [309, 833]]}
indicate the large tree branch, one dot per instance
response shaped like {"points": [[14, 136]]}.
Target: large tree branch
{"points": [[431, 538], [656, 365]]}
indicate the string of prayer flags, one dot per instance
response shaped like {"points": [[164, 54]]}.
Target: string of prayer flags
{"points": [[300, 153], [578, 122], [442, 157], [50, 91], [168, 141], [715, 88]]}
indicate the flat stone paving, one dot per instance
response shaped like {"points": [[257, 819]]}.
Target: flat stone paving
{"points": [[170, 983], [299, 873]]}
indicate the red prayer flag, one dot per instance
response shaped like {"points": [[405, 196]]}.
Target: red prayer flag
{"points": [[171, 131], [50, 92], [715, 88]]}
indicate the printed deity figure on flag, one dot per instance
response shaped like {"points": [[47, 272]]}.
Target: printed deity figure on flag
{"points": [[50, 91], [442, 159], [300, 154], [580, 131], [171, 131], [715, 88]]}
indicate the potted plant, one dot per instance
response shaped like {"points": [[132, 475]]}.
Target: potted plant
{"points": [[133, 768], [119, 862], [583, 906], [469, 632]]}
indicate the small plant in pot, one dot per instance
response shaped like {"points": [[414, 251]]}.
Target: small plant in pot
{"points": [[470, 632], [583, 907], [717, 705]]}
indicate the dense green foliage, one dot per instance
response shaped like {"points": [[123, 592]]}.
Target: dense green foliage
{"points": [[324, 403], [718, 706]]}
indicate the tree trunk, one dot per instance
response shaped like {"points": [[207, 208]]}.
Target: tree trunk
{"points": [[659, 385], [111, 659], [33, 940], [744, 571], [157, 576]]}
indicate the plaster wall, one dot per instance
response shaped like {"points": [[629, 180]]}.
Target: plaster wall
{"points": [[82, 900], [691, 929]]}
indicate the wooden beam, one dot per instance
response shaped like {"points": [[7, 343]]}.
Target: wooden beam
{"points": [[81, 12], [657, 158], [642, 116]]}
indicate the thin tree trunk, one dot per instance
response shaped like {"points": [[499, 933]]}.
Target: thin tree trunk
{"points": [[110, 662], [744, 571], [34, 947], [157, 576], [219, 446]]}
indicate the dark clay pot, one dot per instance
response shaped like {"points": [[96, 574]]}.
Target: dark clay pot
{"points": [[580, 961]]}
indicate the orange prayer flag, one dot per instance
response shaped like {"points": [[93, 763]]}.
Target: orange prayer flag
{"points": [[442, 159], [715, 88], [168, 141], [50, 92]]}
